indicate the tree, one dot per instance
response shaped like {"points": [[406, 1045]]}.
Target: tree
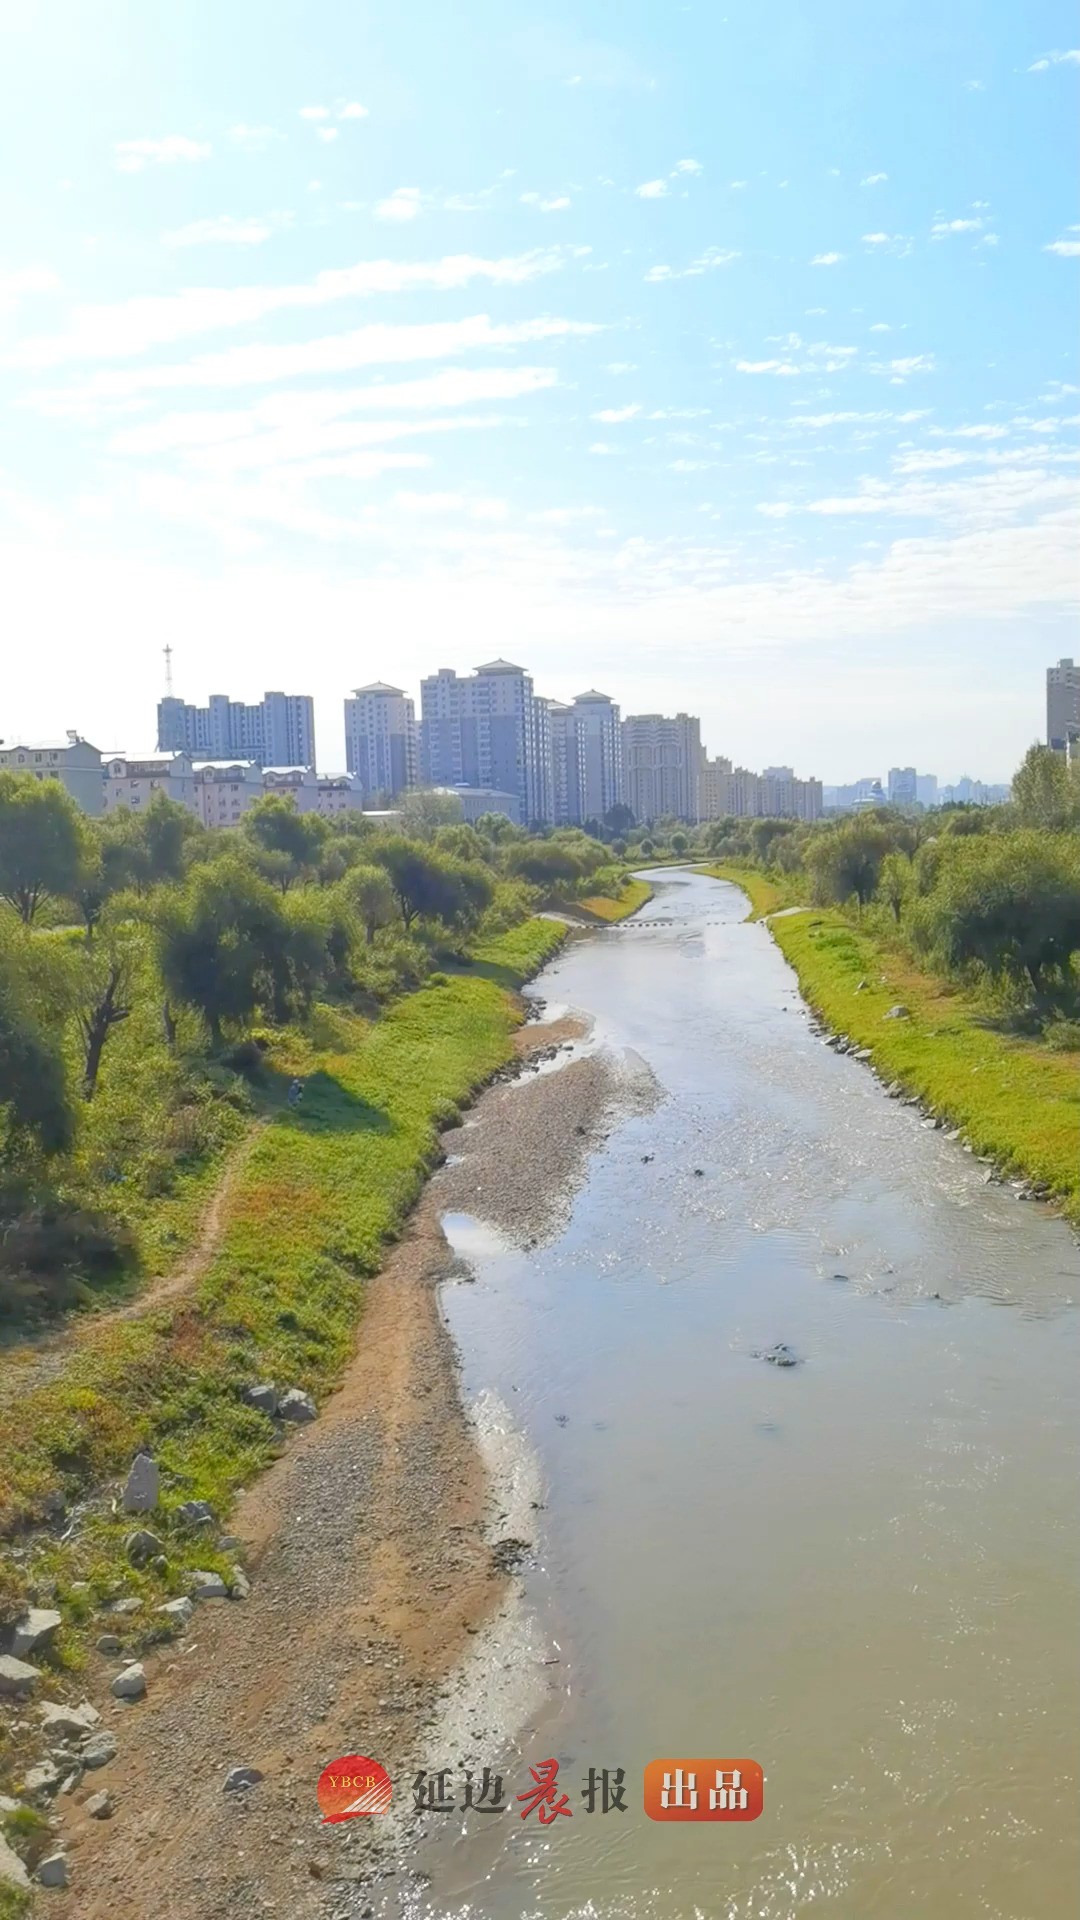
{"points": [[679, 842], [425, 809], [108, 1002], [287, 843], [765, 833], [33, 1089], [1007, 903], [1043, 794], [846, 860], [372, 895], [619, 818], [546, 863], [221, 940], [41, 842], [894, 883], [168, 832]]}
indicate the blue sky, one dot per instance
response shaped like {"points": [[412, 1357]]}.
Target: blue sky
{"points": [[721, 356]]}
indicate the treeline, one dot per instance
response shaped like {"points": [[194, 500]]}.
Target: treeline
{"points": [[142, 954], [986, 896]]}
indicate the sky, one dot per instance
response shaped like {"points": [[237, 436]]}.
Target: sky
{"points": [[718, 355]]}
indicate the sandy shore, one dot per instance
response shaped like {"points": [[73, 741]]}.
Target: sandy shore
{"points": [[370, 1547]]}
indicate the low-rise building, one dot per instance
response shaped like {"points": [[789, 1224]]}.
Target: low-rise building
{"points": [[72, 761], [134, 780], [775, 794], [225, 789]]}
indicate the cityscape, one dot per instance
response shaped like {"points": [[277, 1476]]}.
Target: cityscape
{"points": [[490, 739]]}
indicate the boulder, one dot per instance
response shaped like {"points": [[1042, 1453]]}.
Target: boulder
{"points": [[780, 1355], [67, 1723], [16, 1677], [12, 1871], [178, 1611], [264, 1396], [297, 1405], [208, 1586], [195, 1513], [41, 1781], [240, 1585], [99, 1750], [37, 1625], [238, 1779], [130, 1604], [143, 1483], [52, 1871], [130, 1684], [109, 1643], [897, 1013], [101, 1806], [141, 1546]]}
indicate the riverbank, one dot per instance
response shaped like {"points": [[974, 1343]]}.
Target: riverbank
{"points": [[620, 906], [375, 1558], [319, 1193], [1015, 1103]]}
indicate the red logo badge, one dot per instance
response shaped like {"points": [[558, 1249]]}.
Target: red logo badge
{"points": [[704, 1790], [351, 1787]]}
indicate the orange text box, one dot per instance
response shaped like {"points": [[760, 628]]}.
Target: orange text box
{"points": [[704, 1790]]}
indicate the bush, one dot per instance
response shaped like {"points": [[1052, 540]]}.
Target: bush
{"points": [[50, 1253], [1063, 1036]]}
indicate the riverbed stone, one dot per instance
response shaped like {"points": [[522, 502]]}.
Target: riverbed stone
{"points": [[99, 1750], [297, 1405], [178, 1611], [142, 1486], [208, 1586], [129, 1604], [53, 1871], [239, 1585], [61, 1722], [264, 1396], [101, 1806], [897, 1013], [141, 1546], [780, 1355], [37, 1625], [109, 1644], [195, 1513], [16, 1676], [239, 1779], [41, 1782], [12, 1871], [130, 1684]]}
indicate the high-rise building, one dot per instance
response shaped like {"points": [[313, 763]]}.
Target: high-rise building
{"points": [[662, 760], [775, 794], [903, 787], [487, 729], [926, 792], [380, 739], [277, 732], [599, 755], [562, 737], [1062, 704]]}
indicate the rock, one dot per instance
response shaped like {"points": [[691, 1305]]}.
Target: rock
{"points": [[73, 1779], [297, 1405], [239, 1585], [109, 1643], [861, 988], [195, 1513], [861, 1053], [140, 1546], [208, 1586], [101, 1806], [178, 1611], [645, 1158], [780, 1355], [37, 1625], [238, 1779], [143, 1482], [98, 1751], [130, 1684], [131, 1604], [12, 1871], [16, 1677], [230, 1543], [54, 1506], [699, 1173], [67, 1723], [897, 1013], [52, 1871], [265, 1397], [41, 1781]]}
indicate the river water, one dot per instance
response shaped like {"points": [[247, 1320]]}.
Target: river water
{"points": [[861, 1571]]}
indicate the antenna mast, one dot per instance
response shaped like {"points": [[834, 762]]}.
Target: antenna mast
{"points": [[168, 672]]}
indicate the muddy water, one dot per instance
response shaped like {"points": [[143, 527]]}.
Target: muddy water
{"points": [[862, 1571]]}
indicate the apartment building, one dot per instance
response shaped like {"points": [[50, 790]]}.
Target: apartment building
{"points": [[381, 744], [775, 794], [662, 760], [134, 780], [1062, 705], [327, 794], [599, 755], [487, 729], [72, 761], [277, 731]]}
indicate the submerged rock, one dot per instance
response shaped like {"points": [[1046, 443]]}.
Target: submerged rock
{"points": [[781, 1355]]}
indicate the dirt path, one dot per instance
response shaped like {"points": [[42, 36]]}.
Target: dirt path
{"points": [[371, 1570], [33, 1366]]}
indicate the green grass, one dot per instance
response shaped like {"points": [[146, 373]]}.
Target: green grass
{"points": [[630, 897], [315, 1203], [766, 892]]}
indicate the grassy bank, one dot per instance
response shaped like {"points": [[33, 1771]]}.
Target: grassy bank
{"points": [[1016, 1101], [314, 1204], [632, 896], [766, 892]]}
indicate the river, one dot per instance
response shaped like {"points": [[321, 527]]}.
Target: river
{"points": [[861, 1571]]}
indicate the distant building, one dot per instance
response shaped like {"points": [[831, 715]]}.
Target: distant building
{"points": [[225, 789], [974, 793], [476, 801], [903, 787], [134, 780], [381, 745], [598, 755], [562, 743], [662, 760], [860, 795], [775, 794], [1062, 704], [926, 790], [72, 761], [277, 732], [487, 729]]}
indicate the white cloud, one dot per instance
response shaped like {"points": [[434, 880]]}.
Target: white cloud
{"points": [[22, 283], [1070, 58], [601, 446], [784, 368], [705, 263], [737, 186], [353, 111], [874, 179], [881, 326], [1065, 249], [113, 332], [689, 166], [826, 259], [914, 363], [689, 466], [980, 432], [132, 156], [612, 416], [403, 204], [314, 113], [556, 204], [941, 228], [227, 230], [252, 139], [935, 461], [652, 190], [875, 239], [327, 133]]}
